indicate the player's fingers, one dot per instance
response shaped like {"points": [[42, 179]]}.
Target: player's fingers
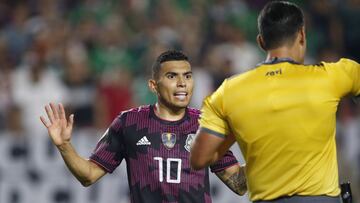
{"points": [[49, 113], [62, 112], [43, 120], [55, 111], [71, 121]]}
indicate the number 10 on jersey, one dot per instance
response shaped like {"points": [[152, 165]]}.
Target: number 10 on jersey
{"points": [[168, 169]]}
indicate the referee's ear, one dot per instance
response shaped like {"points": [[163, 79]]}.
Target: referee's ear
{"points": [[260, 42]]}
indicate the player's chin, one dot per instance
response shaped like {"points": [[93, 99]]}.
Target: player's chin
{"points": [[181, 104]]}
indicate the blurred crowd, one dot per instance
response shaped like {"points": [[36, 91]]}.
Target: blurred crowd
{"points": [[95, 57]]}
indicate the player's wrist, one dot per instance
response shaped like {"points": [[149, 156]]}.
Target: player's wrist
{"points": [[63, 147]]}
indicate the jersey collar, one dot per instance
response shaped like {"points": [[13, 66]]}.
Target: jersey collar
{"points": [[153, 115], [276, 60]]}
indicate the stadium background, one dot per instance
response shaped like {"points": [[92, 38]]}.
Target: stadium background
{"points": [[95, 57]]}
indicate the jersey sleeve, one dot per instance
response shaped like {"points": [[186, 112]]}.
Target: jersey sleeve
{"points": [[346, 76], [212, 118], [225, 162], [109, 151]]}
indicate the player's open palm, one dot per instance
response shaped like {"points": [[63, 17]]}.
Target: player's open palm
{"points": [[59, 128]]}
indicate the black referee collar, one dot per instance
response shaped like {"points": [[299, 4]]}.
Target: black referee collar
{"points": [[276, 60]]}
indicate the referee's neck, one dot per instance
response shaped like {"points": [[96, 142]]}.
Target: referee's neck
{"points": [[287, 52]]}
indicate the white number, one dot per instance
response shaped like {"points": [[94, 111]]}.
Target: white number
{"points": [[168, 163], [168, 169], [160, 167]]}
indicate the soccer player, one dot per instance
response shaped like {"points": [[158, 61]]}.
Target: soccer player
{"points": [[154, 140], [282, 114]]}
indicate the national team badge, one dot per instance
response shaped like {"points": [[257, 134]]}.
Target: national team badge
{"points": [[189, 140], [168, 139]]}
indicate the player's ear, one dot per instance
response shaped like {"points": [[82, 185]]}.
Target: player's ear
{"points": [[260, 42], [152, 86]]}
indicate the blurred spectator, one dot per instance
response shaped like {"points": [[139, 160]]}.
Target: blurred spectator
{"points": [[6, 68], [324, 15], [219, 64], [203, 85], [242, 55], [95, 57], [81, 87], [114, 95], [16, 32], [34, 84], [350, 18]]}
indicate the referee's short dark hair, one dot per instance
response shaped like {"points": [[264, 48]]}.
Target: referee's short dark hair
{"points": [[170, 55], [278, 23]]}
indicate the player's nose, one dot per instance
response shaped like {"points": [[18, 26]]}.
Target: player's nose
{"points": [[181, 82]]}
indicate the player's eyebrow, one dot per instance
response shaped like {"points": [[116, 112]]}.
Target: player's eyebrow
{"points": [[171, 73], [176, 73]]}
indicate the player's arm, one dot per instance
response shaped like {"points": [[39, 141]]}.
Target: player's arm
{"points": [[208, 147], [234, 177], [84, 170], [60, 129]]}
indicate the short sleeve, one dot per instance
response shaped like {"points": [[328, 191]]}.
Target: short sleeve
{"points": [[346, 76], [109, 151], [225, 162], [212, 118]]}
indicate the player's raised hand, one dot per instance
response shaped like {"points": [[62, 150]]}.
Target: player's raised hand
{"points": [[59, 128]]}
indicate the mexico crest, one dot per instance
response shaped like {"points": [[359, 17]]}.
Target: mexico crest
{"points": [[189, 140], [168, 139]]}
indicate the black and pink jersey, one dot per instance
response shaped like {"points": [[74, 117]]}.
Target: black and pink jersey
{"points": [[157, 153]]}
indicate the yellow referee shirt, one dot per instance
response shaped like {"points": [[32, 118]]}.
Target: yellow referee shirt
{"points": [[283, 117]]}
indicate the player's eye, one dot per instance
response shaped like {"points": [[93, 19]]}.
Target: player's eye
{"points": [[188, 76], [170, 76]]}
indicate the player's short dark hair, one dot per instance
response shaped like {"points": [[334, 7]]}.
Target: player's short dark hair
{"points": [[170, 55], [278, 23]]}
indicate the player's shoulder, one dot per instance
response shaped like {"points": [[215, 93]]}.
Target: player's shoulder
{"points": [[140, 109], [135, 111], [193, 111]]}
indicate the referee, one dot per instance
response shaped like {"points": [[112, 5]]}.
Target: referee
{"points": [[282, 115]]}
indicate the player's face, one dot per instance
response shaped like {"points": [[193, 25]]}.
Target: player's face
{"points": [[174, 84]]}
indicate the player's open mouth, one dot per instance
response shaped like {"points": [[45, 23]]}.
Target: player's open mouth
{"points": [[181, 95]]}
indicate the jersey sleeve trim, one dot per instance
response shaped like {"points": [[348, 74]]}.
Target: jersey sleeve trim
{"points": [[207, 130], [93, 158], [216, 170]]}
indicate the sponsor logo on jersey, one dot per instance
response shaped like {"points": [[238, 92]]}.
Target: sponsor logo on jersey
{"points": [[274, 72], [189, 140], [143, 141], [168, 139]]}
